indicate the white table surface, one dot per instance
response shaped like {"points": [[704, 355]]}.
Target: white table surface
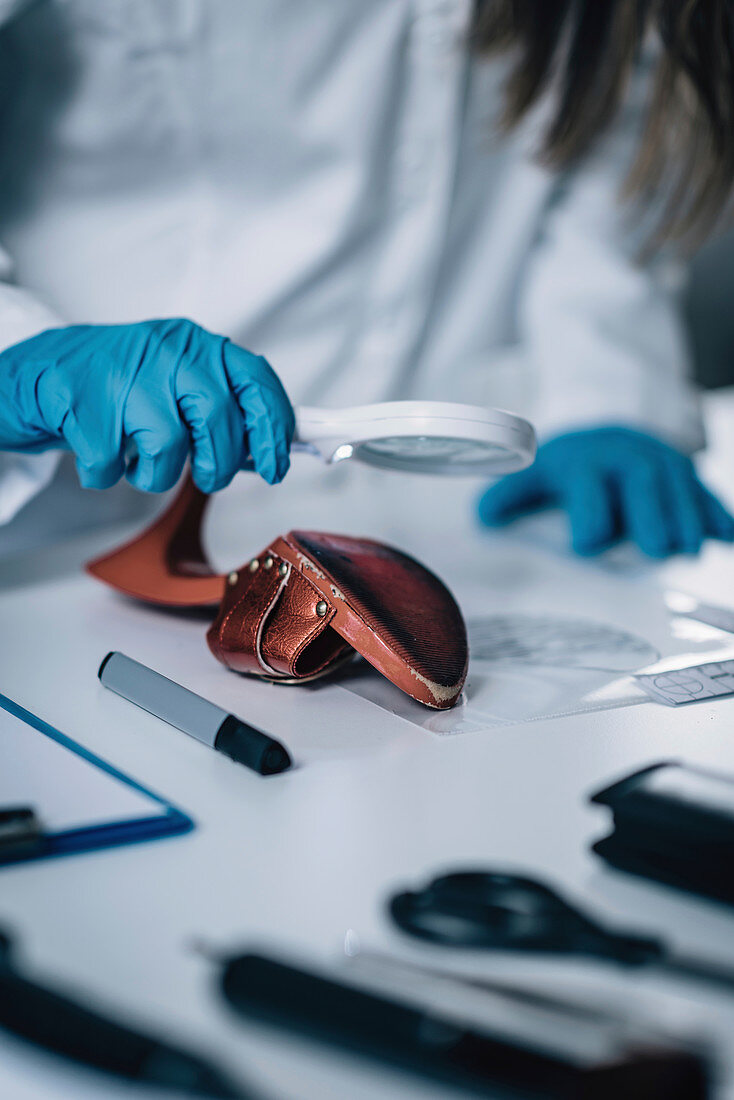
{"points": [[374, 802]]}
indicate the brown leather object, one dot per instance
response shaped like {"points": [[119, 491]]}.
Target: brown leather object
{"points": [[305, 604], [166, 564]]}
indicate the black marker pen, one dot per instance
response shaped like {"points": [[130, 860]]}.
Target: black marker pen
{"points": [[196, 716]]}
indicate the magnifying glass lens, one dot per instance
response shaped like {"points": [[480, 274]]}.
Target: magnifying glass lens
{"points": [[420, 452], [422, 437]]}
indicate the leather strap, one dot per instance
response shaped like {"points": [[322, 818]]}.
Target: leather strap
{"points": [[235, 636], [268, 621]]}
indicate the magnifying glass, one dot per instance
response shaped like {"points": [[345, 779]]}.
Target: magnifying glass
{"points": [[423, 437]]}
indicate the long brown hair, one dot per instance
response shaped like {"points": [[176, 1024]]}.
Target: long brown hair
{"points": [[588, 50]]}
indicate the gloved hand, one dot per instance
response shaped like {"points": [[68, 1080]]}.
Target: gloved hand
{"points": [[614, 483], [145, 396]]}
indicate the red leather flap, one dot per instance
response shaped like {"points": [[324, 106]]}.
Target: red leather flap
{"points": [[396, 613]]}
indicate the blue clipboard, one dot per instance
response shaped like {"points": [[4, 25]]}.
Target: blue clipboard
{"points": [[166, 820]]}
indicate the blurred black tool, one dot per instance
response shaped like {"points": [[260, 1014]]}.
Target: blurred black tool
{"points": [[497, 1055], [586, 1009], [486, 909], [61, 1025], [673, 823], [21, 834]]}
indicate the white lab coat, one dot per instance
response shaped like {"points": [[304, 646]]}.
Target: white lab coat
{"points": [[325, 184]]}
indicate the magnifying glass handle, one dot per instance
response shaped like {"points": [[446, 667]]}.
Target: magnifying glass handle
{"points": [[300, 447], [319, 432]]}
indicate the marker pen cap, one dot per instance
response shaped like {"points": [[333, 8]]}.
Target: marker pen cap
{"points": [[249, 746]]}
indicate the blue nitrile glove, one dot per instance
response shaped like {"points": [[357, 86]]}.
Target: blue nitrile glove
{"points": [[146, 396], [614, 483]]}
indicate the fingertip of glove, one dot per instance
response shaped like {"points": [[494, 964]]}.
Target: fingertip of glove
{"points": [[147, 479], [97, 483], [490, 518], [274, 472], [656, 552], [587, 548], [489, 511], [724, 532], [95, 477], [210, 481]]}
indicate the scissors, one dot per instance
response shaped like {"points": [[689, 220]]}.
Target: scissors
{"points": [[505, 912]]}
